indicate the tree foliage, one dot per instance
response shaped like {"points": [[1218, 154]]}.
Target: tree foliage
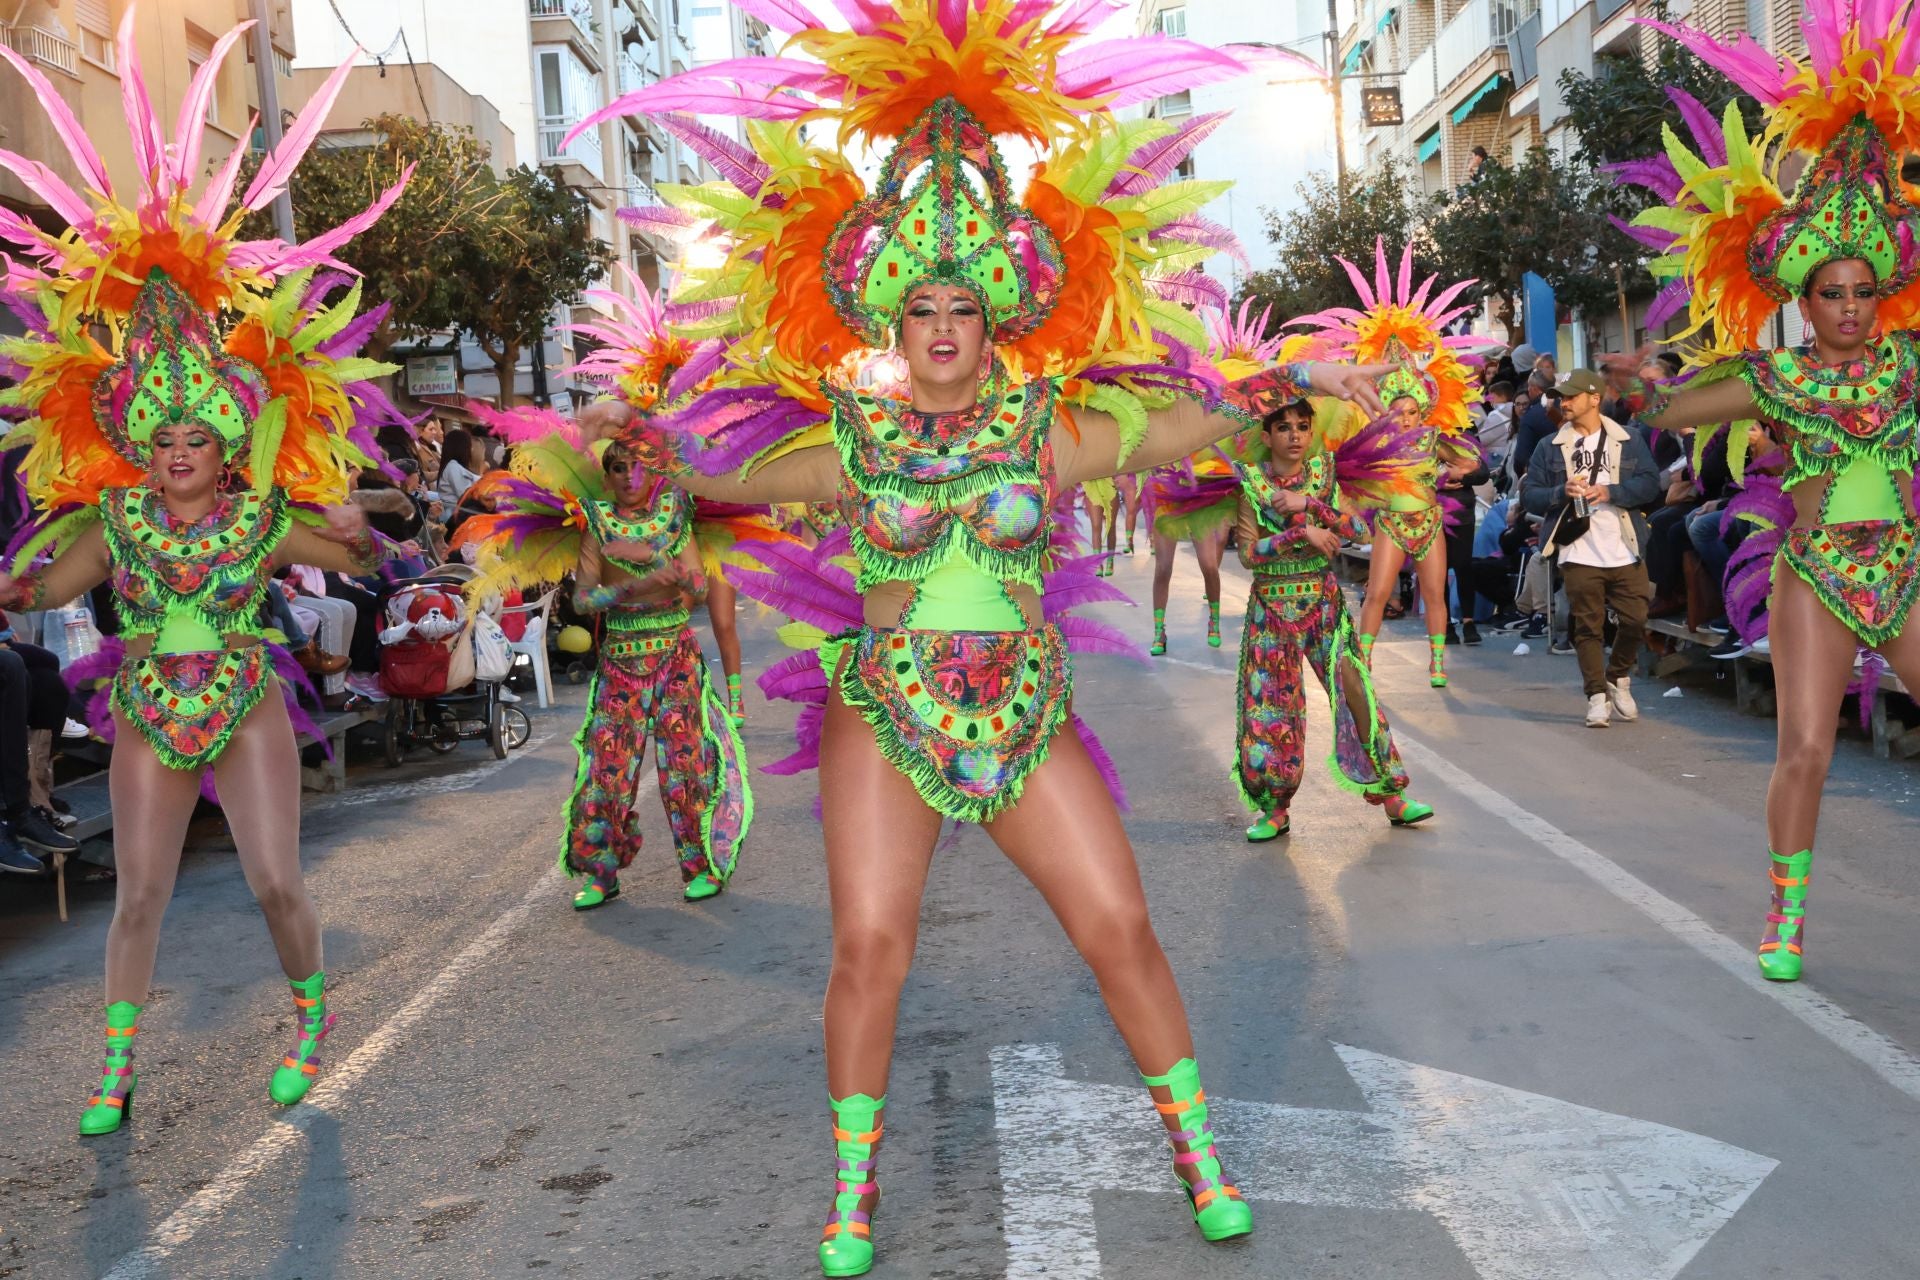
{"points": [[411, 256], [462, 249], [1540, 216], [540, 253], [1322, 227]]}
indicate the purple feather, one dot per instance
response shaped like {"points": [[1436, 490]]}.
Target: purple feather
{"points": [[1702, 124], [1090, 635], [355, 335], [806, 733], [1668, 303], [706, 360], [1205, 232], [1154, 163], [732, 159], [1109, 773], [797, 677], [1191, 289]]}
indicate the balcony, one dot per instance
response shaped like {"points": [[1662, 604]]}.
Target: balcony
{"points": [[37, 44], [570, 22], [635, 78], [1523, 51], [1418, 88], [584, 150], [1481, 28]]}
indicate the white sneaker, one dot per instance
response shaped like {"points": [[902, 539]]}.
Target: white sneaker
{"points": [[1599, 711], [509, 696], [74, 729], [1623, 704]]}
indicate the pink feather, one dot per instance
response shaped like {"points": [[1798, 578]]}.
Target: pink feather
{"points": [[49, 186], [1155, 162], [1078, 16], [1132, 70], [219, 193], [149, 152], [1204, 231], [788, 16], [190, 127], [278, 167], [1103, 763], [276, 257], [85, 157], [732, 159]]}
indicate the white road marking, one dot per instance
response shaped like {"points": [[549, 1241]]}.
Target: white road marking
{"points": [[466, 779], [1529, 1187], [1880, 1054], [330, 1093]]}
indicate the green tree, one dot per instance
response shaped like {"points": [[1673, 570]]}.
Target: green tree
{"points": [[538, 253], [411, 256], [1322, 227], [1539, 216]]}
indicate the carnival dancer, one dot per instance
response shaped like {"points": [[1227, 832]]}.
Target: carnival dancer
{"points": [[1290, 525], [629, 538], [1841, 248], [1407, 327], [1190, 501], [190, 426], [952, 699]]}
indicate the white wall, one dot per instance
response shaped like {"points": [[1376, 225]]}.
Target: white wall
{"points": [[1277, 134], [483, 44]]}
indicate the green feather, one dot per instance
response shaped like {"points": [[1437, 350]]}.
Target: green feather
{"points": [[268, 429], [328, 322], [62, 530]]}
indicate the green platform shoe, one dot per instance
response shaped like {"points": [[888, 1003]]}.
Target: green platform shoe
{"points": [[704, 885], [1437, 661], [1780, 957], [597, 894], [846, 1243], [1265, 830], [112, 1101], [1213, 624], [736, 708], [1218, 1208], [1402, 812], [296, 1072], [1159, 645]]}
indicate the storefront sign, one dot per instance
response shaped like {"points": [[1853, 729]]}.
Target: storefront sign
{"points": [[433, 376]]}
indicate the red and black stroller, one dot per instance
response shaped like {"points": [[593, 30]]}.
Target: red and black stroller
{"points": [[440, 691]]}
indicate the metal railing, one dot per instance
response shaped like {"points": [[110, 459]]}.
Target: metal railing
{"points": [[1481, 26], [633, 77], [583, 150], [36, 44]]}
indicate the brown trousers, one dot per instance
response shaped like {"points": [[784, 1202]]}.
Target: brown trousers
{"points": [[1590, 593]]}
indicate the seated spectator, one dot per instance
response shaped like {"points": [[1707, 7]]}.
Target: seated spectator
{"points": [[458, 466], [1496, 429], [344, 618], [32, 697]]}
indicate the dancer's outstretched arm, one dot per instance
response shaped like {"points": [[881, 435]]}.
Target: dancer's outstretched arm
{"points": [[811, 474], [74, 572]]}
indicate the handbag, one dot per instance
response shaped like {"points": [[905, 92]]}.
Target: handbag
{"points": [[1566, 525]]}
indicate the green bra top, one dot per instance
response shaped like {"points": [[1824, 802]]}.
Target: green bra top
{"points": [[956, 504], [191, 585], [1853, 422]]}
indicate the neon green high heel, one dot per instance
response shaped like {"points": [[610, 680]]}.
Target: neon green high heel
{"points": [[1780, 955], [1213, 623], [846, 1242], [112, 1101], [1364, 642], [1437, 662], [1402, 812], [296, 1072], [704, 885], [736, 709], [1159, 645], [1218, 1208]]}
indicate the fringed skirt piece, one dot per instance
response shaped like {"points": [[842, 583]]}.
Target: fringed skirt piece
{"points": [[1863, 572], [967, 716], [1295, 620], [1413, 532], [187, 705]]}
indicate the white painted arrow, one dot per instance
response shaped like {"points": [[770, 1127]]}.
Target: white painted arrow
{"points": [[1530, 1187]]}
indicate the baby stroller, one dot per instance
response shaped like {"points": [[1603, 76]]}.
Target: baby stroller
{"points": [[438, 695]]}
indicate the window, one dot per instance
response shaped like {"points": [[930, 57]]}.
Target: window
{"points": [[199, 53], [707, 10], [567, 93], [1184, 169], [1175, 104], [1171, 22], [96, 33]]}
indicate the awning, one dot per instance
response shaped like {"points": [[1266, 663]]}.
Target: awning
{"points": [[1387, 19], [454, 407], [1354, 55], [1495, 83], [1430, 145]]}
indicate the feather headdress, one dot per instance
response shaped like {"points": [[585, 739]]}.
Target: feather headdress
{"points": [[237, 332], [1088, 273]]}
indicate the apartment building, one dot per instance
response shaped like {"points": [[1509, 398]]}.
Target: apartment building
{"points": [[1282, 123], [72, 43]]}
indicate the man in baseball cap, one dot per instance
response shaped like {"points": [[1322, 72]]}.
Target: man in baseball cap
{"points": [[1579, 382]]}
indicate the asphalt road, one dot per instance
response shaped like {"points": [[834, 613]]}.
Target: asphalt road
{"points": [[1522, 1042]]}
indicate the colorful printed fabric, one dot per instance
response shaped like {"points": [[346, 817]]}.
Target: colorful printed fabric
{"points": [[187, 705], [1414, 532], [1865, 410], [1864, 573], [1290, 618], [922, 490], [191, 585], [1295, 611], [967, 716], [664, 523], [658, 690]]}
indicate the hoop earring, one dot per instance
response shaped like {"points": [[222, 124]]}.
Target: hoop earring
{"points": [[225, 483]]}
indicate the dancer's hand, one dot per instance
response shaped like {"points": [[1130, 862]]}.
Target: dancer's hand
{"points": [[346, 525], [1353, 382], [1292, 501], [1325, 541]]}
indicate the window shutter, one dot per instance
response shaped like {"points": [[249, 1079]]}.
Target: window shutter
{"points": [[94, 16]]}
